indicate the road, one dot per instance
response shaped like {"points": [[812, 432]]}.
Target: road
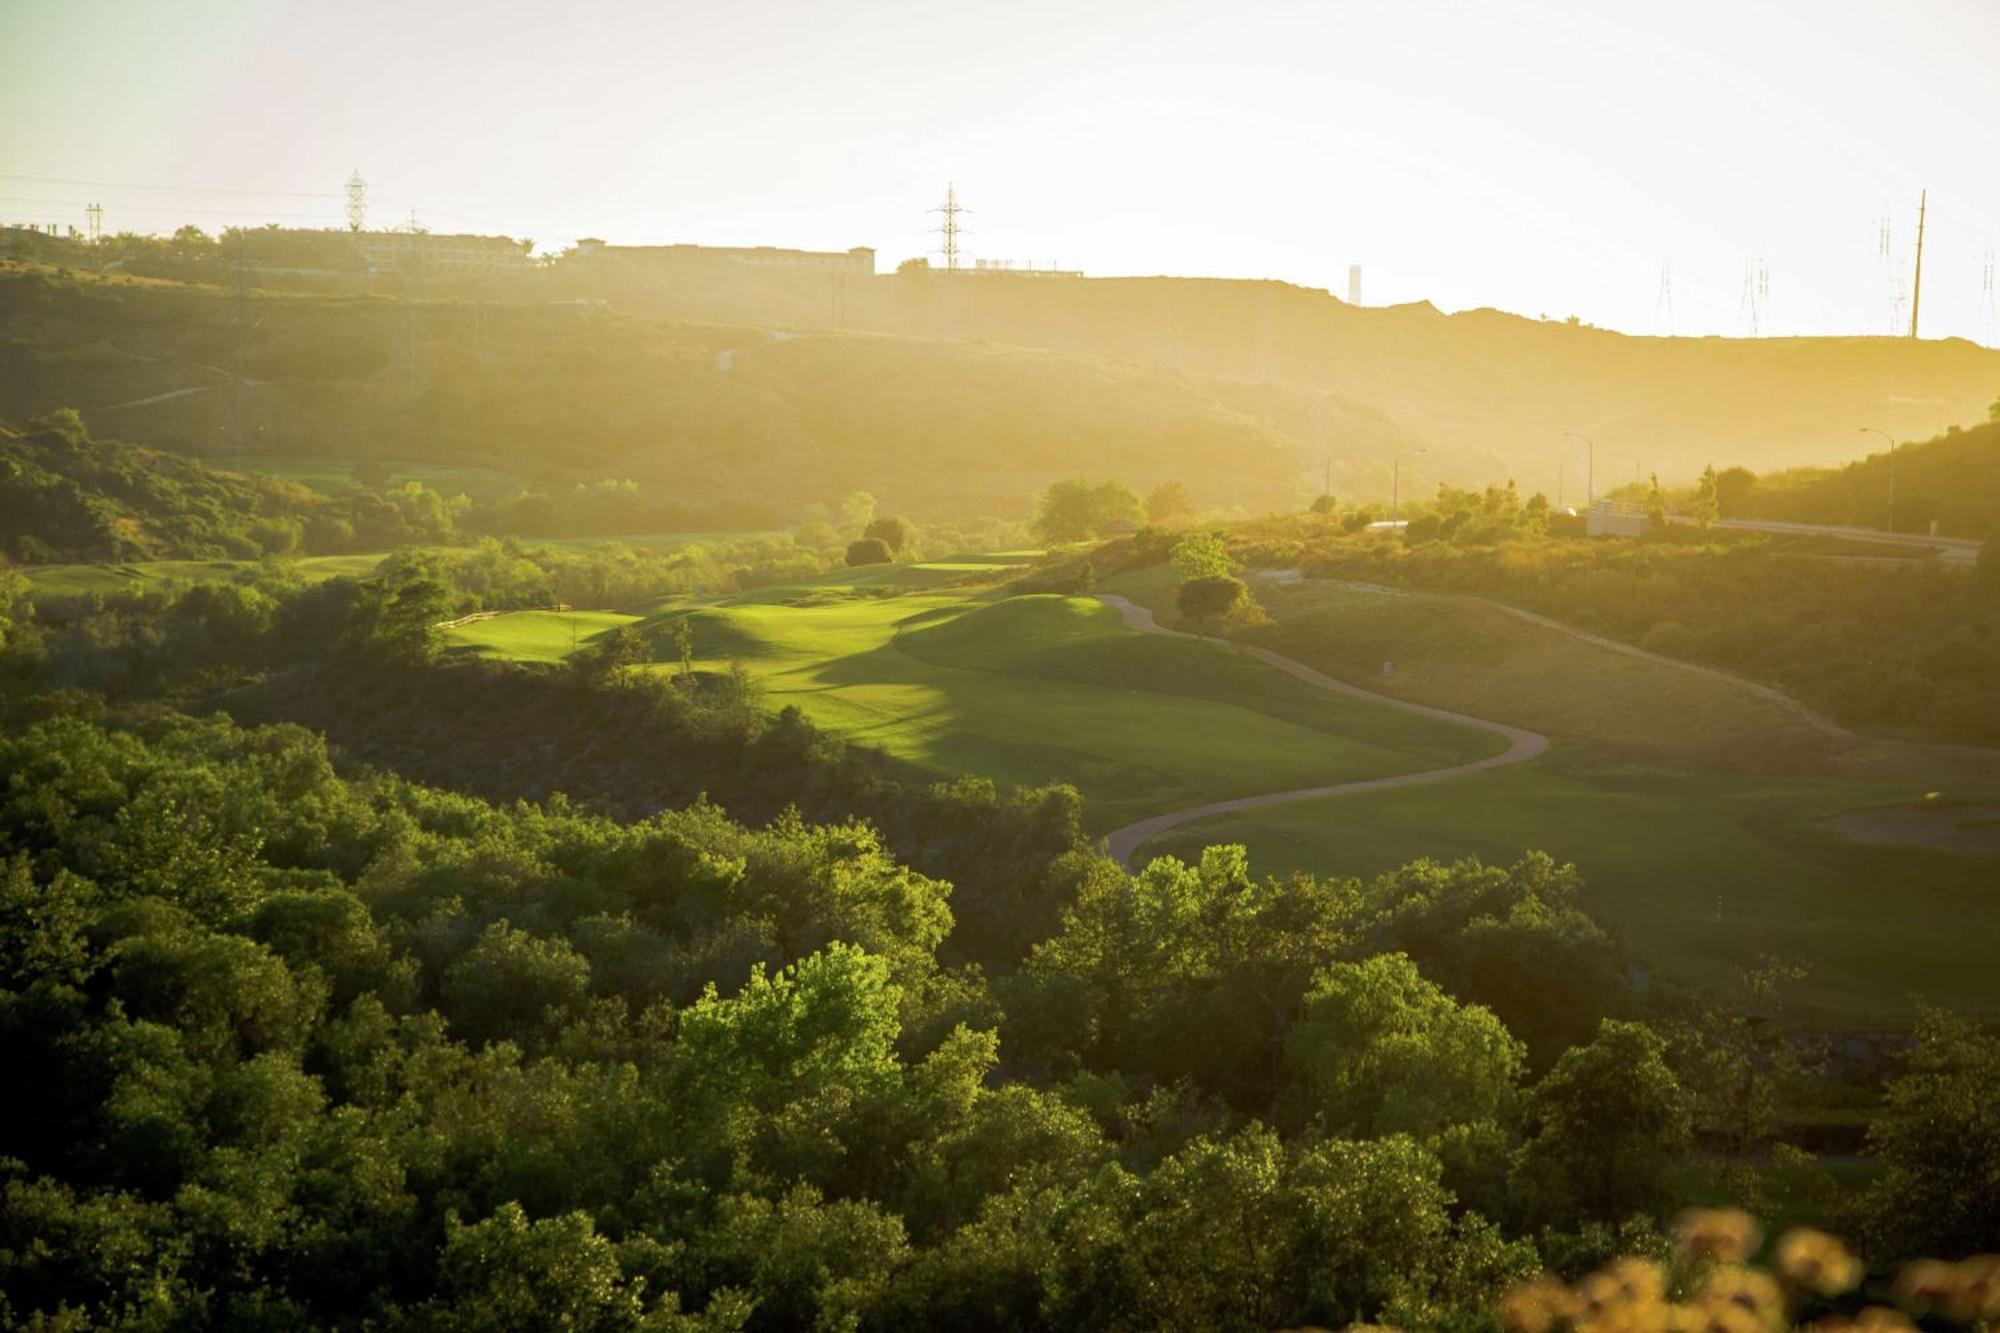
{"points": [[1952, 550], [1522, 744]]}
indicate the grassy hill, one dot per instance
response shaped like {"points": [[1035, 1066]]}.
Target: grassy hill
{"points": [[740, 421], [1698, 809], [1953, 479], [1494, 383], [1025, 690]]}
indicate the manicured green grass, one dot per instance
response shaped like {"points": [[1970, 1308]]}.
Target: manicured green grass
{"points": [[1028, 690], [1689, 804], [1698, 877], [77, 580], [1046, 688], [532, 636]]}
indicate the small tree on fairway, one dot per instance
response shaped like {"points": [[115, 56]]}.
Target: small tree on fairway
{"points": [[684, 648], [1705, 508], [1211, 601], [1201, 555], [868, 551]]}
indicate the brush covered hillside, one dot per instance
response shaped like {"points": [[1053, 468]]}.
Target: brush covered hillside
{"points": [[65, 496], [1480, 380], [741, 425], [1953, 480]]}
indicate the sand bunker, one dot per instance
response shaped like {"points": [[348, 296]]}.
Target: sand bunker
{"points": [[1970, 830]]}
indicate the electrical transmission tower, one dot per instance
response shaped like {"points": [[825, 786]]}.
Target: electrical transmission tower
{"points": [[1663, 305], [949, 229], [1756, 296], [357, 202], [1990, 316], [95, 214], [1917, 283]]}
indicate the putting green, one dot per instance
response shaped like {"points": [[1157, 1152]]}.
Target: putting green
{"points": [[1047, 688], [532, 636], [1026, 690]]}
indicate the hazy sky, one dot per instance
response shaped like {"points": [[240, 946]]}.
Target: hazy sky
{"points": [[1538, 156]]}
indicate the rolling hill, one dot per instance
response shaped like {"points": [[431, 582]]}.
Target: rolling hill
{"points": [[1485, 381], [752, 423]]}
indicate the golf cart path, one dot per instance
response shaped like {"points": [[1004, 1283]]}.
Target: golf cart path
{"points": [[1522, 744]]}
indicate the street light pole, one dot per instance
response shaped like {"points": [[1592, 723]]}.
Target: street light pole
{"points": [[1396, 480], [1890, 526], [1590, 475]]}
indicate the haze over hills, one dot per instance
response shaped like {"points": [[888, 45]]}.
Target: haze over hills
{"points": [[678, 366], [1482, 380], [748, 421]]}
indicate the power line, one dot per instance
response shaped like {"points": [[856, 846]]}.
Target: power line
{"points": [[165, 210], [173, 189]]}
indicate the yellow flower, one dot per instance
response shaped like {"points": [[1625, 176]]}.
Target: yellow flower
{"points": [[1817, 1262], [1727, 1235], [1535, 1306], [1742, 1299]]}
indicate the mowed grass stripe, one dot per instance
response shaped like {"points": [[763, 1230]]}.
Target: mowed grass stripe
{"points": [[532, 636], [1045, 688]]}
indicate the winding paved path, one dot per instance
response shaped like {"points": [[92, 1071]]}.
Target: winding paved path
{"points": [[1522, 744]]}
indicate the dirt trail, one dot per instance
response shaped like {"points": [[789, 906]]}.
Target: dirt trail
{"points": [[1522, 744]]}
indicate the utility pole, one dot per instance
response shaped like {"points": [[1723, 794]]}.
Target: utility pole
{"points": [[1590, 472], [1917, 283], [1870, 430], [95, 213], [1396, 481]]}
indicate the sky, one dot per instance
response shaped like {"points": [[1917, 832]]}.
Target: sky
{"points": [[1626, 163]]}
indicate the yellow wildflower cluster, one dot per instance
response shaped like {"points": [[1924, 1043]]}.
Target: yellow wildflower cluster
{"points": [[1712, 1288], [1967, 1290]]}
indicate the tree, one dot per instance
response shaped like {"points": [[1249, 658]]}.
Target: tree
{"points": [[893, 531], [1993, 412], [615, 649], [1704, 498], [1608, 1124], [1380, 1050], [557, 1273], [1201, 555], [1733, 488], [1212, 601], [1656, 504], [1078, 510], [868, 551], [1938, 1135], [857, 511], [1167, 502], [506, 984], [1324, 504]]}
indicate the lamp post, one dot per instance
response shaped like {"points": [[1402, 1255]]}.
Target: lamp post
{"points": [[1396, 480], [1890, 526], [1590, 476]]}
